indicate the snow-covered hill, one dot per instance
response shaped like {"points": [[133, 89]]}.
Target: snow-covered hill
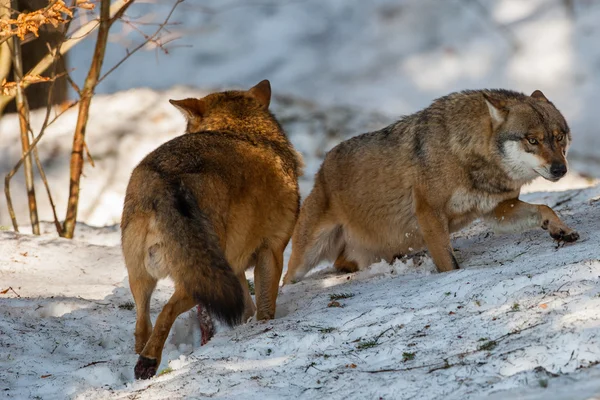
{"points": [[521, 319], [521, 316]]}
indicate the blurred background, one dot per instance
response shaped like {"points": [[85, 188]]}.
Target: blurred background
{"points": [[337, 68]]}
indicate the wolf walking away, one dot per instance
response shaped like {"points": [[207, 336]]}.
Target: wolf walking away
{"points": [[204, 207], [408, 186]]}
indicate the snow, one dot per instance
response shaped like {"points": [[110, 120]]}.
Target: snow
{"points": [[70, 333], [66, 324], [521, 319]]}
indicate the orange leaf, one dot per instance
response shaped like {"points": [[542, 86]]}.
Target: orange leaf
{"points": [[544, 305], [5, 291]]}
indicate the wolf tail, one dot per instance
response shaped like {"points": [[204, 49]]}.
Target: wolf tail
{"points": [[197, 261]]}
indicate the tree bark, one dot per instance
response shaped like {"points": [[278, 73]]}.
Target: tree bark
{"points": [[80, 128], [23, 111]]}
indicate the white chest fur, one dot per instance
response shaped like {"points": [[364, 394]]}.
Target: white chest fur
{"points": [[464, 201]]}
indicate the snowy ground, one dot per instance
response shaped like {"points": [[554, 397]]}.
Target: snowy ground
{"points": [[66, 317], [520, 320], [523, 316]]}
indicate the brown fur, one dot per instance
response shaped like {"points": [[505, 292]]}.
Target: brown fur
{"points": [[204, 207], [411, 184]]}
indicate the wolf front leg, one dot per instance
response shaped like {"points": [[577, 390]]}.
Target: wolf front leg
{"points": [[515, 215], [434, 228]]}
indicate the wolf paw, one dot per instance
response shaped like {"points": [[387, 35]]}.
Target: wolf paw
{"points": [[145, 368], [560, 233], [564, 236]]}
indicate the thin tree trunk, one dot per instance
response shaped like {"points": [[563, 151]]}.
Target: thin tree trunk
{"points": [[82, 118], [4, 47], [23, 111]]}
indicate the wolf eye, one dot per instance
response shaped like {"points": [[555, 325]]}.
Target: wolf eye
{"points": [[560, 138], [532, 141]]}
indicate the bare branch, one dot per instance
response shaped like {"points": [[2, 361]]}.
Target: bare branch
{"points": [[148, 39]]}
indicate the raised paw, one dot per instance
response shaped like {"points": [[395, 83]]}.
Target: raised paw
{"points": [[145, 368], [565, 236], [560, 232]]}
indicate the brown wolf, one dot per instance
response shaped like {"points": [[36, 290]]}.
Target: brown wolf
{"points": [[411, 184], [204, 207]]}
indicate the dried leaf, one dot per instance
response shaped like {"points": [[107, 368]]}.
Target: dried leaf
{"points": [[30, 22], [86, 5], [10, 88], [5, 291]]}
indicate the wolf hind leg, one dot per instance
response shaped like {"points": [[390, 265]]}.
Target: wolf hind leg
{"points": [[249, 307], [150, 356], [142, 285], [141, 282], [326, 243], [343, 264], [267, 273]]}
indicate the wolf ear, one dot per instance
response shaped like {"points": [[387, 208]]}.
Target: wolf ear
{"points": [[193, 110], [497, 109], [262, 93], [538, 95]]}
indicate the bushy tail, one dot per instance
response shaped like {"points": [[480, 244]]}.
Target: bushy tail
{"points": [[196, 259]]}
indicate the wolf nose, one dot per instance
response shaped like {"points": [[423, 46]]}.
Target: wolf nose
{"points": [[558, 170]]}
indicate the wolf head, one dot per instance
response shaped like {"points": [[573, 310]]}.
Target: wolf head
{"points": [[532, 136], [224, 110]]}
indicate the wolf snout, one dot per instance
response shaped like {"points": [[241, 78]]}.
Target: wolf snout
{"points": [[558, 170]]}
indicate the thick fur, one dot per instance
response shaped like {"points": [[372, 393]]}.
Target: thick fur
{"points": [[204, 207], [409, 185]]}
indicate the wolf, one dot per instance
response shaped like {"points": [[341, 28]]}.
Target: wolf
{"points": [[408, 186], [204, 207]]}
